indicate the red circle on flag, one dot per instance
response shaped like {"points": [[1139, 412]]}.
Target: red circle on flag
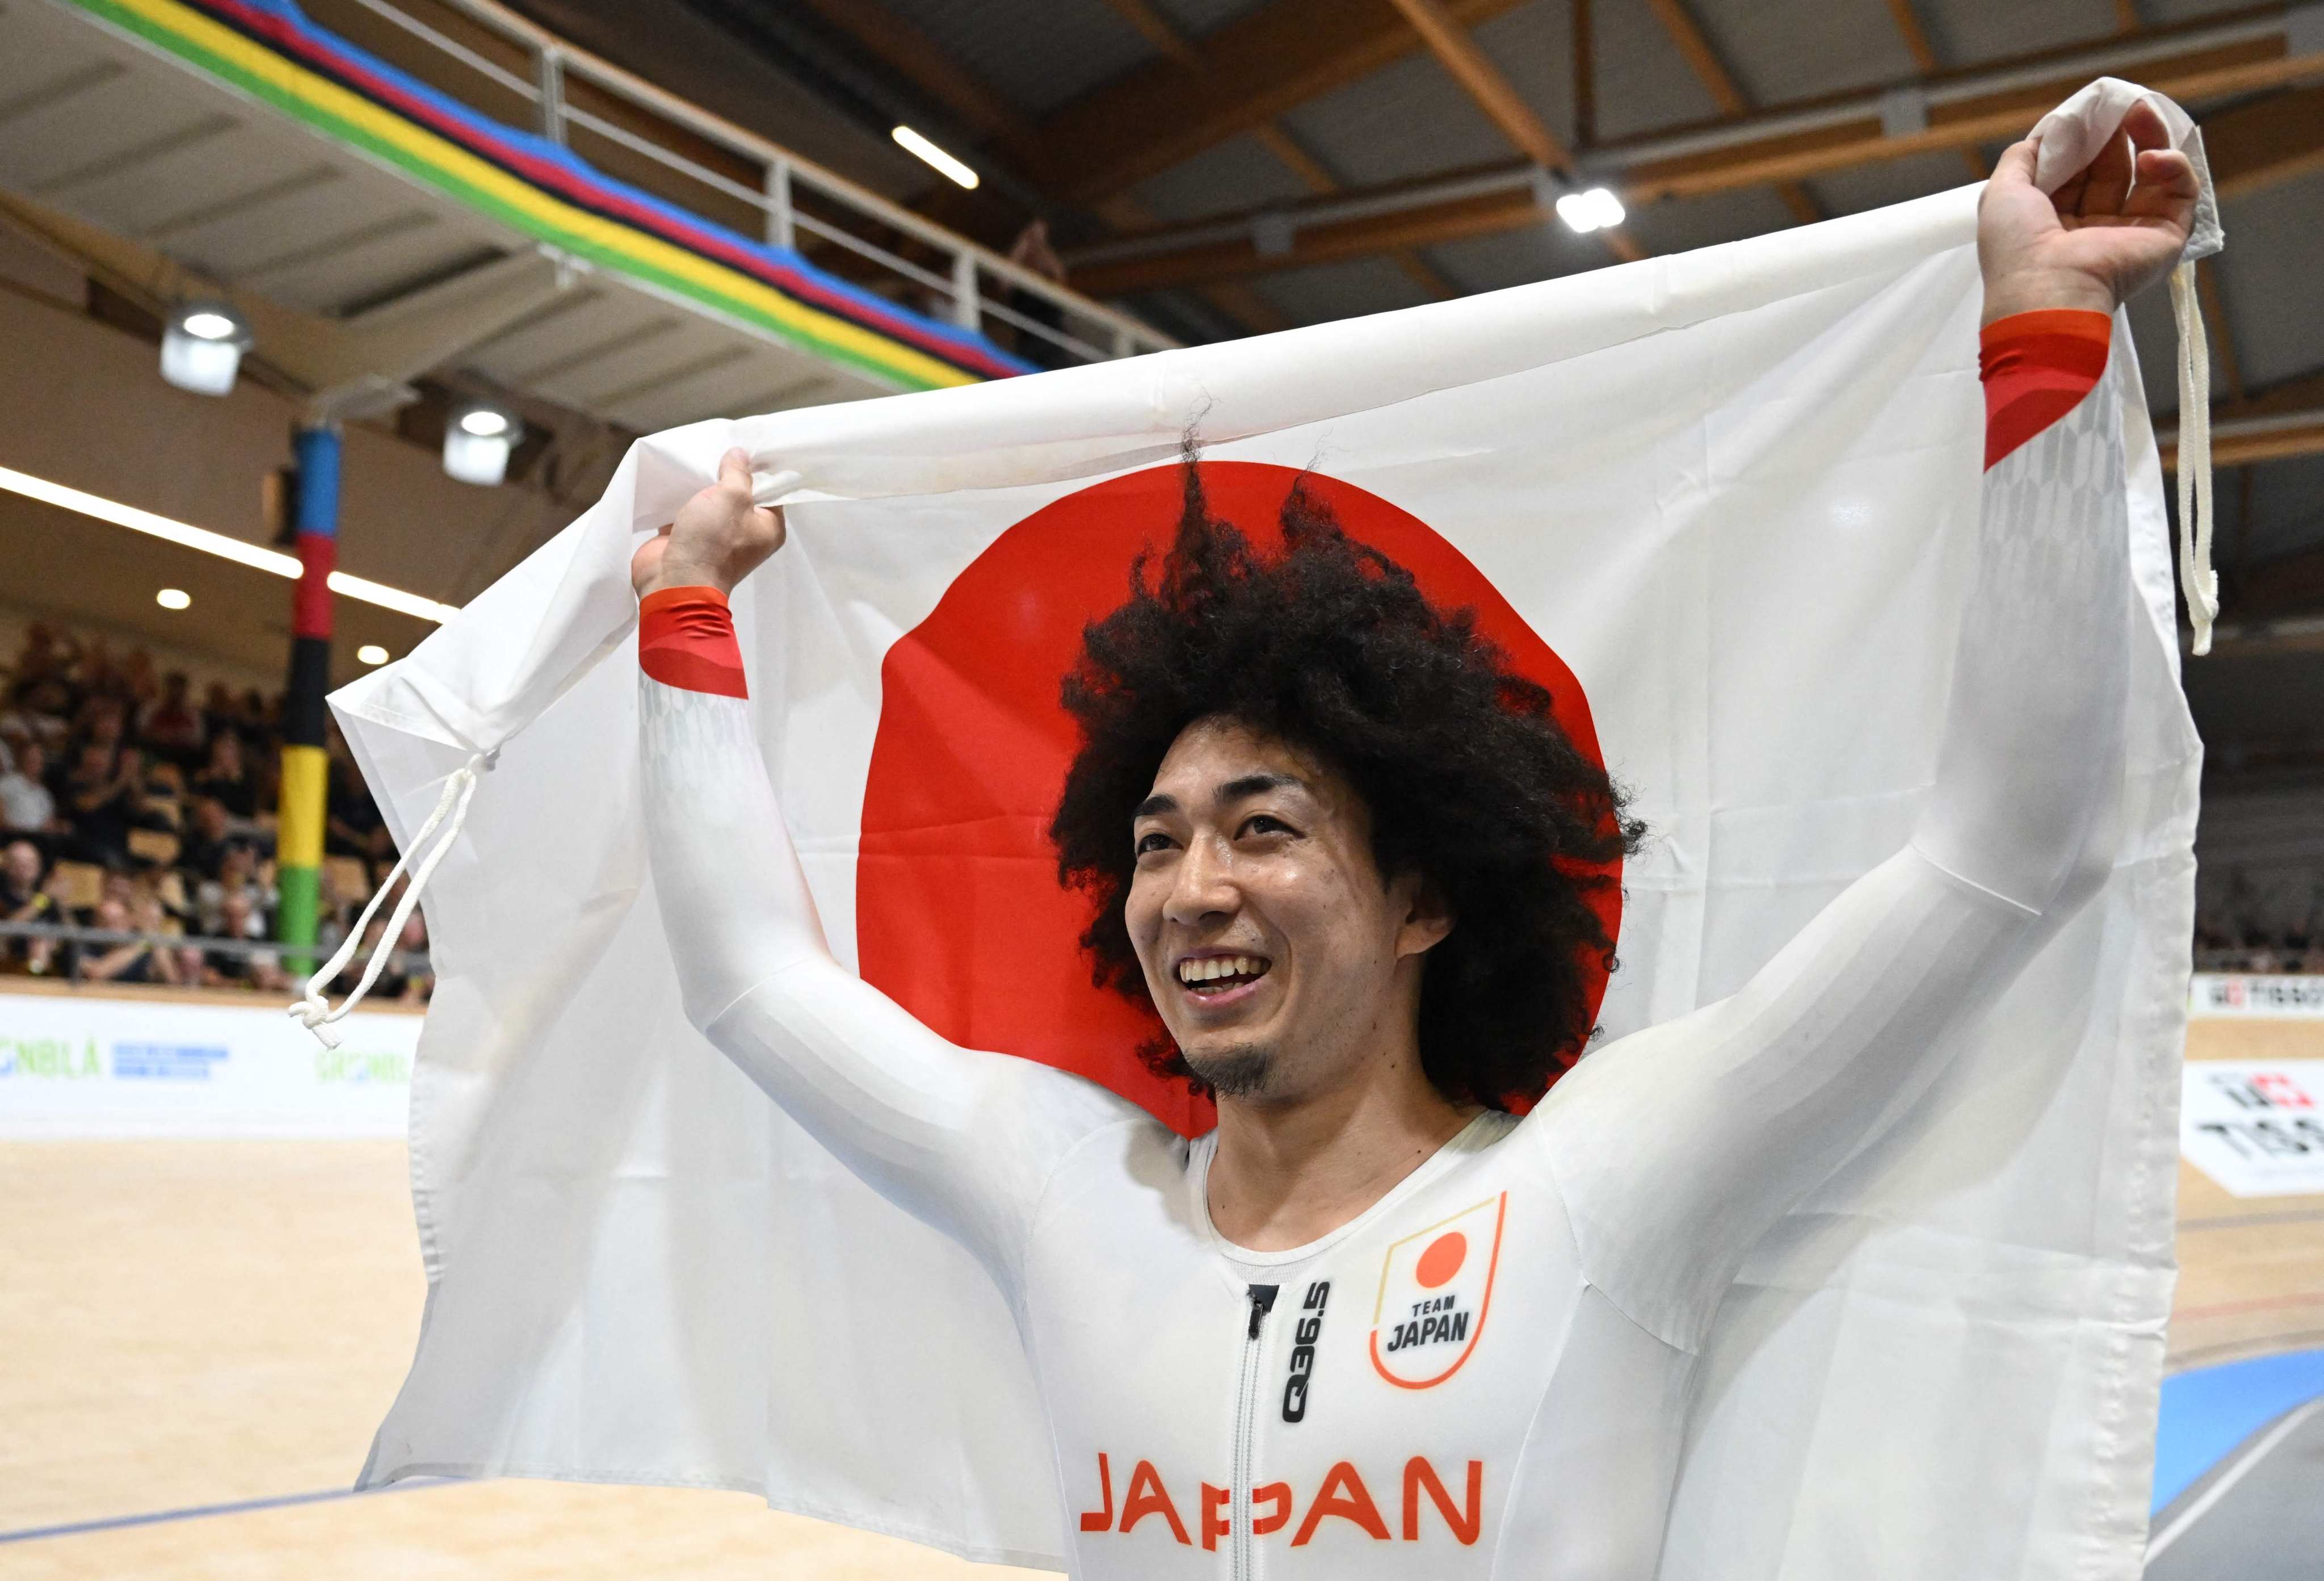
{"points": [[959, 916]]}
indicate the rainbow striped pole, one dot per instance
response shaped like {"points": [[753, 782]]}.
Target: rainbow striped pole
{"points": [[306, 766]]}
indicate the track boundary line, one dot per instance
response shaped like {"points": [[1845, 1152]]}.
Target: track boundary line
{"points": [[2250, 1221], [196, 1512], [2180, 1523]]}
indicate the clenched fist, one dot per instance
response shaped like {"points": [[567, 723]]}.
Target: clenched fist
{"points": [[2109, 231], [719, 537]]}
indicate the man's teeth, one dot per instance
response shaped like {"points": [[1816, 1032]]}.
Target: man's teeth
{"points": [[1211, 967]]}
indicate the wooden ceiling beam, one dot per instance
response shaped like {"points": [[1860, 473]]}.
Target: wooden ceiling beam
{"points": [[2286, 419], [2266, 141], [915, 57], [1163, 34], [1249, 71], [1157, 30], [1701, 58], [2257, 146], [2287, 588], [1924, 56], [1311, 174], [2214, 308], [2003, 114], [1497, 98]]}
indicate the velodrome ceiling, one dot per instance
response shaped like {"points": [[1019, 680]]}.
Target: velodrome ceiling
{"points": [[1126, 118]]}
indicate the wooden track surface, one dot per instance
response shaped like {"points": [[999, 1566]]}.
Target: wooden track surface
{"points": [[2251, 1268], [195, 1323], [186, 1324]]}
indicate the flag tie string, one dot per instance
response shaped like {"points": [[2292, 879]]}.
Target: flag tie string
{"points": [[2197, 580], [313, 1011]]}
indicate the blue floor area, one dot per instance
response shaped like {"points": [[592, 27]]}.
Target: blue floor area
{"points": [[2207, 1412]]}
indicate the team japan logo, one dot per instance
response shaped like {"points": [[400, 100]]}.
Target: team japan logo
{"points": [[1435, 1289]]}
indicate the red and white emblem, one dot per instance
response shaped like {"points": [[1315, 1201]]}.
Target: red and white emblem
{"points": [[1436, 1288]]}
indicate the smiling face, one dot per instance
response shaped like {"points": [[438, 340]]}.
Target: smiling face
{"points": [[1279, 957]]}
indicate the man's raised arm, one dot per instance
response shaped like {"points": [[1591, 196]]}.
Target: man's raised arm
{"points": [[1681, 1146], [961, 1139]]}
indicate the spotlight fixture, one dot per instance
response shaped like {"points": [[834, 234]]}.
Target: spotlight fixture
{"points": [[1596, 209], [372, 653], [202, 346], [172, 598], [923, 149], [477, 442]]}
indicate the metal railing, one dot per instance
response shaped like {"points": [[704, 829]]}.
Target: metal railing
{"points": [[72, 941], [974, 284]]}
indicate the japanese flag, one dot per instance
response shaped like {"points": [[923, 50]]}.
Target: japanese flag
{"points": [[1722, 503]]}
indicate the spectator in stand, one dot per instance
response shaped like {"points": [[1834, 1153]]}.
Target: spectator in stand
{"points": [[217, 710], [225, 778], [45, 661], [1032, 251], [354, 828], [237, 880], [337, 911], [102, 797], [173, 726], [24, 898], [411, 960], [27, 805], [404, 977], [39, 713], [137, 683], [99, 724], [258, 970], [21, 871], [165, 783], [138, 961], [390, 983], [207, 837]]}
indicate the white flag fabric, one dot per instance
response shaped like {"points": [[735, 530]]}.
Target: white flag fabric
{"points": [[1733, 491]]}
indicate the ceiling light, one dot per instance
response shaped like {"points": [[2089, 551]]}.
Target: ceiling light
{"points": [[1595, 210], [272, 561], [172, 598], [477, 442], [934, 155], [386, 598], [372, 653], [201, 347]]}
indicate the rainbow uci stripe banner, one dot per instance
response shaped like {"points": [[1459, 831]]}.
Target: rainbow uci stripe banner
{"points": [[268, 50]]}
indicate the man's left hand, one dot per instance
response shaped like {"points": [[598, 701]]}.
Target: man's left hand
{"points": [[2111, 230]]}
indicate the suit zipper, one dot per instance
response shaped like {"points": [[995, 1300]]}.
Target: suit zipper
{"points": [[1244, 1560]]}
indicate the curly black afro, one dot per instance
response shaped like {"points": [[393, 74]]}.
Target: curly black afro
{"points": [[1330, 646]]}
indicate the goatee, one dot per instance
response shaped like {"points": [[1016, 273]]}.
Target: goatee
{"points": [[1240, 1072]]}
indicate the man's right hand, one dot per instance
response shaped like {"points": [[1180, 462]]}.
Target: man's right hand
{"points": [[719, 537]]}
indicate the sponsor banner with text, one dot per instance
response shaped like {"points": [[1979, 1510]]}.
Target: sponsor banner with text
{"points": [[72, 1065], [2258, 995], [2257, 1128]]}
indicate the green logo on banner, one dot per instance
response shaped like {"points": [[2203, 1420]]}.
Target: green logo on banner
{"points": [[357, 1065], [50, 1058]]}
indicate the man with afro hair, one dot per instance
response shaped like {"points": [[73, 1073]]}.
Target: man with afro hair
{"points": [[1376, 1323]]}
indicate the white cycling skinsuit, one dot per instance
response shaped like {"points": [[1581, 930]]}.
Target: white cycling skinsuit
{"points": [[1484, 1373]]}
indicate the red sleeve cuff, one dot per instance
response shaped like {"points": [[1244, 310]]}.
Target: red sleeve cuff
{"points": [[686, 639], [2037, 366]]}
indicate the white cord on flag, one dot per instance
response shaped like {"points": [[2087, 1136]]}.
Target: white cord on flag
{"points": [[313, 1011], [2197, 580]]}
